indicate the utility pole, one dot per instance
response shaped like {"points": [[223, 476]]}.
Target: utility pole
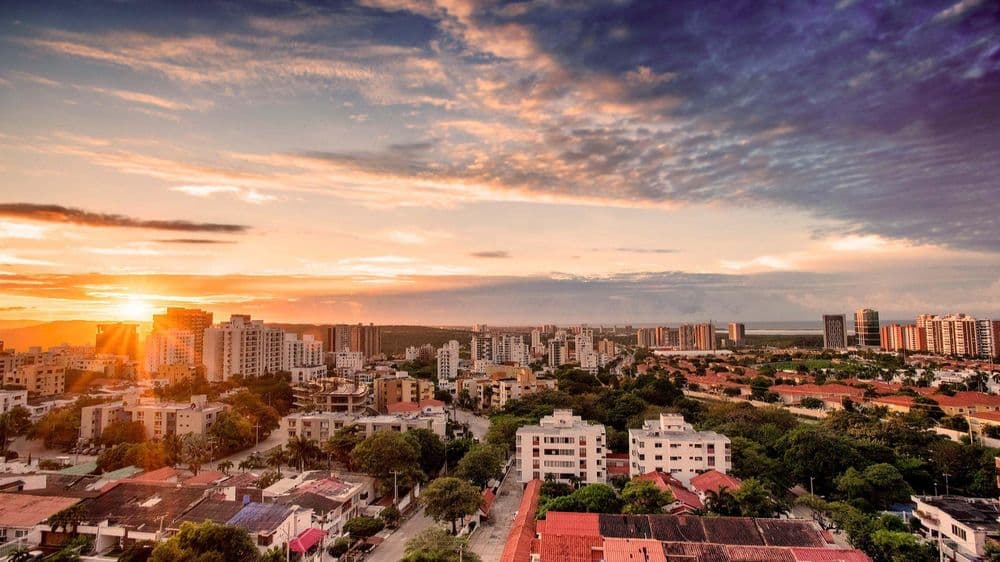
{"points": [[395, 487], [947, 488], [812, 492]]}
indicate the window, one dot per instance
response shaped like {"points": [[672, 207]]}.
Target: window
{"points": [[958, 532]]}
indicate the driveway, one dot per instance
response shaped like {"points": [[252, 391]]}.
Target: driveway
{"points": [[392, 549]]}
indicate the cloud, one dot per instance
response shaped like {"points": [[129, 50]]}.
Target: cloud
{"points": [[247, 195], [22, 230], [491, 254], [194, 241], [70, 215], [646, 250], [13, 308]]}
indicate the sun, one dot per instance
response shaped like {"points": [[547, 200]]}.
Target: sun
{"points": [[134, 308]]}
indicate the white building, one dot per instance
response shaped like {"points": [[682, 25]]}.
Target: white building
{"points": [[447, 365], [958, 525], [320, 426], [169, 347], [411, 353], [242, 347], [672, 445], [349, 361], [585, 354], [536, 338], [302, 375], [10, 399], [305, 352], [558, 352], [483, 351], [564, 446], [510, 349]]}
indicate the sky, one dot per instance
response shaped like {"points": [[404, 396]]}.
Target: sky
{"points": [[460, 161]]}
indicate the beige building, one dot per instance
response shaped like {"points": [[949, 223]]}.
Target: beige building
{"points": [[332, 394], [672, 445], [564, 447], [10, 399], [502, 385], [401, 387], [158, 418], [320, 426], [43, 380]]}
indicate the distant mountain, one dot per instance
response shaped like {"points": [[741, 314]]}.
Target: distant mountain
{"points": [[48, 334]]}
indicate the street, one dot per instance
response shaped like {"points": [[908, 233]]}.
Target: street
{"points": [[392, 549], [488, 540], [478, 425], [277, 437]]}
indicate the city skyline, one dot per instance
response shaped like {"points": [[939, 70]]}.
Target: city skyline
{"points": [[400, 161]]}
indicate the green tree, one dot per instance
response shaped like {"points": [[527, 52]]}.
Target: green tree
{"points": [[361, 528], [900, 546], [390, 515], [207, 542], [431, 448], [276, 458], [15, 421], [300, 450], [449, 499], [642, 496], [754, 500], [232, 432], [481, 464], [592, 498], [436, 545], [503, 430], [721, 502], [384, 453], [120, 432], [267, 479], [196, 450], [342, 442], [225, 466]]}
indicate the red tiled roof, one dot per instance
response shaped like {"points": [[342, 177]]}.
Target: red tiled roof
{"points": [[488, 498], [829, 555], [522, 532], [989, 416], [714, 480], [815, 389], [568, 548], [576, 524], [204, 477], [432, 403], [966, 399], [901, 400], [158, 475], [306, 540], [666, 482], [631, 550], [400, 407]]}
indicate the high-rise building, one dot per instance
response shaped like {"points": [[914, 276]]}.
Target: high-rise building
{"points": [[915, 338], [193, 320], [933, 331], [988, 334], [866, 327], [536, 338], [367, 339], [585, 354], [483, 350], [447, 363], [892, 338], [705, 337], [165, 348], [242, 347], [687, 337], [959, 335], [118, 338], [510, 349], [338, 338], [737, 334], [834, 331], [305, 352], [645, 337], [558, 351]]}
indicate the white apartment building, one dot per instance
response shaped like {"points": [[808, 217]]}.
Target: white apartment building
{"points": [[483, 351], [242, 346], [988, 337], [536, 338], [564, 446], [349, 361], [302, 375], [672, 445], [958, 525], [510, 349], [169, 347], [158, 418], [10, 399], [305, 352], [558, 352], [412, 353], [447, 366], [320, 426], [585, 354]]}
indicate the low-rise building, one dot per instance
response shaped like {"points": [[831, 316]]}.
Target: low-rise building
{"points": [[40, 379], [303, 375], [10, 399], [157, 417], [959, 525], [564, 447], [672, 445], [401, 387], [320, 426], [332, 394]]}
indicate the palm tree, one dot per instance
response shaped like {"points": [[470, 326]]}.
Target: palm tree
{"points": [[301, 449], [721, 502], [225, 467], [275, 459], [245, 465]]}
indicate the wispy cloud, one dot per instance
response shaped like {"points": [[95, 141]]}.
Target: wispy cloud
{"points": [[70, 215], [247, 195], [194, 241], [10, 229], [491, 254]]}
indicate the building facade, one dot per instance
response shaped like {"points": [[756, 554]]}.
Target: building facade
{"points": [[193, 320], [866, 327], [564, 447], [834, 331], [672, 445], [169, 347], [242, 347]]}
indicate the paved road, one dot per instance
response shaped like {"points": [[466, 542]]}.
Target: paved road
{"points": [[392, 549], [278, 437], [488, 540], [477, 424]]}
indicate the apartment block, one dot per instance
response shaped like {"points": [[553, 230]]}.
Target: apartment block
{"points": [[672, 445], [242, 347], [401, 388], [564, 447], [40, 379], [169, 347]]}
